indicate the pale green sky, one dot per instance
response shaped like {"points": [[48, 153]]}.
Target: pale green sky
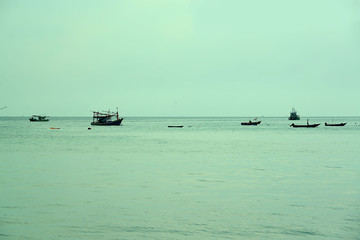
{"points": [[180, 57]]}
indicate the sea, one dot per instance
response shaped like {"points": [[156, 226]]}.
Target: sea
{"points": [[211, 179]]}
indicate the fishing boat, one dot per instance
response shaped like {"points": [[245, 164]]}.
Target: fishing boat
{"points": [[38, 118], [106, 118], [251, 122], [305, 126], [335, 124], [294, 115]]}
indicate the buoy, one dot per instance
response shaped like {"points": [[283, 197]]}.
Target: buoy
{"points": [[89, 128]]}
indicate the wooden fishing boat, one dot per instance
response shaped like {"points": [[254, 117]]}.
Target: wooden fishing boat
{"points": [[105, 118], [335, 124], [305, 126], [38, 118], [251, 123]]}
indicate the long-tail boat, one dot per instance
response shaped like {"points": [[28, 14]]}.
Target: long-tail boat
{"points": [[251, 122], [305, 126], [335, 124]]}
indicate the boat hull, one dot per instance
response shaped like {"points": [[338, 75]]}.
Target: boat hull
{"points": [[305, 126], [111, 123], [175, 126], [335, 124]]}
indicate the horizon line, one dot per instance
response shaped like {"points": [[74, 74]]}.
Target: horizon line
{"points": [[25, 116]]}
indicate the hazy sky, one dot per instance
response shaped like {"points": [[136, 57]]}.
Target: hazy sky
{"points": [[180, 57]]}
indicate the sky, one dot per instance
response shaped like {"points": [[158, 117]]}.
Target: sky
{"points": [[180, 57]]}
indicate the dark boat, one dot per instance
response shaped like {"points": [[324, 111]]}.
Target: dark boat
{"points": [[251, 123], [38, 118], [305, 126], [335, 124], [175, 126], [105, 118], [294, 115]]}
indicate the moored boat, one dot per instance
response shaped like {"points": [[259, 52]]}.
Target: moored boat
{"points": [[294, 115], [105, 118], [251, 123], [335, 124], [305, 126], [38, 118]]}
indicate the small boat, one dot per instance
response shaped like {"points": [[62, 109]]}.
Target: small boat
{"points": [[105, 118], [335, 124], [305, 126], [175, 126], [294, 115], [251, 122], [38, 118]]}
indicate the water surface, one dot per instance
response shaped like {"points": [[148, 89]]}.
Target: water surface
{"points": [[211, 179]]}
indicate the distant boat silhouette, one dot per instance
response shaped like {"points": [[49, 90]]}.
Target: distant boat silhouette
{"points": [[250, 123], [105, 118], [38, 118], [305, 126], [294, 115], [335, 124]]}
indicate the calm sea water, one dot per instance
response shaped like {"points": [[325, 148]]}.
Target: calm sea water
{"points": [[212, 179]]}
